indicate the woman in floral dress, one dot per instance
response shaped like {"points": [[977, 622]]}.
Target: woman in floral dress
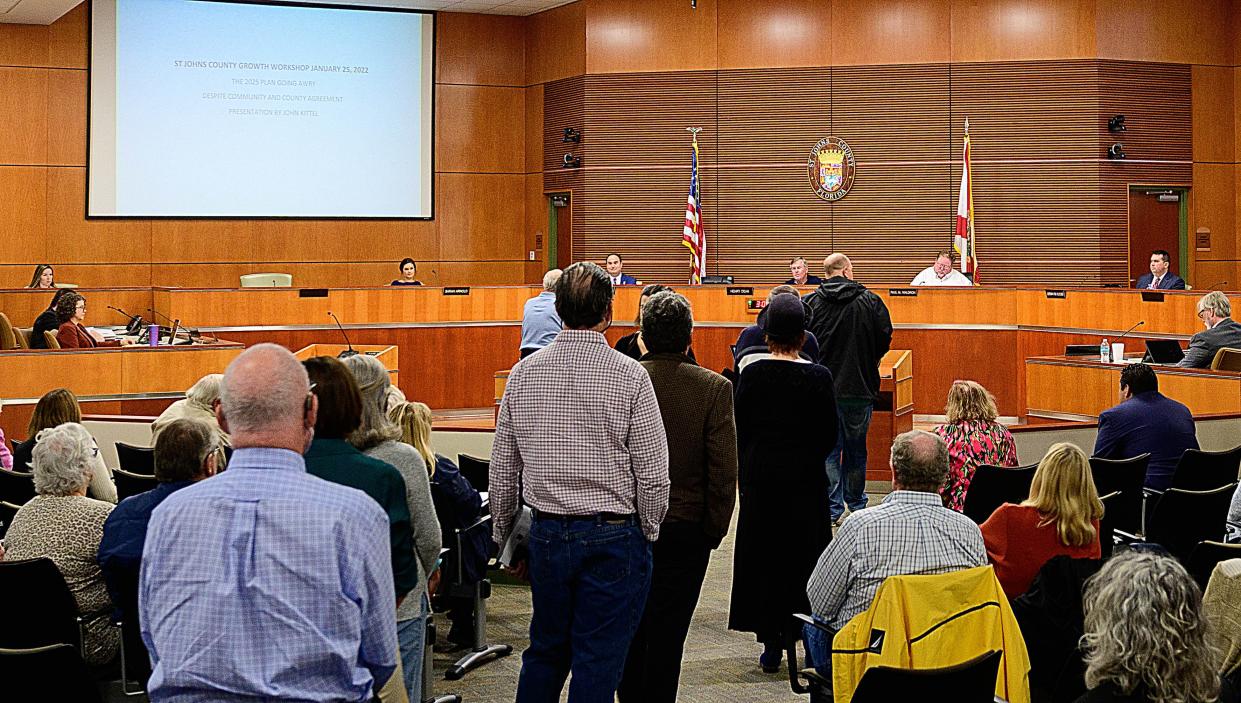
{"points": [[973, 437]]}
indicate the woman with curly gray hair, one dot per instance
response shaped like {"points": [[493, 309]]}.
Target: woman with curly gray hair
{"points": [[62, 524], [1146, 637]]}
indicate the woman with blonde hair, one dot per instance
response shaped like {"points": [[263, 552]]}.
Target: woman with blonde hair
{"points": [[1146, 637], [458, 506], [1061, 516], [57, 407], [973, 437]]}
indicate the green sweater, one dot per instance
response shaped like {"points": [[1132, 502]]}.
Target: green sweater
{"points": [[337, 461]]}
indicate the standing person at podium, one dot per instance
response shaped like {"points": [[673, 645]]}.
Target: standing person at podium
{"points": [[941, 274], [1215, 311], [1160, 278], [854, 332], [409, 272], [801, 274], [43, 277]]}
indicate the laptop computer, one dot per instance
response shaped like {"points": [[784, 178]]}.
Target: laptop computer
{"points": [[1163, 352]]}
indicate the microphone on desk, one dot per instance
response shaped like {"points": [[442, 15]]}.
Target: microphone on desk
{"points": [[191, 333], [175, 324], [1218, 285], [135, 321], [350, 351], [1126, 334]]}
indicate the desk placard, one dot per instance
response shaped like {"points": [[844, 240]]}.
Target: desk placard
{"points": [[902, 292], [740, 290], [312, 293], [1061, 294], [1150, 296], [457, 291]]}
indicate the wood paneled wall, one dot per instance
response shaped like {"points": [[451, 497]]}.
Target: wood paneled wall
{"points": [[479, 234]]}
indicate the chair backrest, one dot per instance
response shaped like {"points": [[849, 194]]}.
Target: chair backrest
{"points": [[16, 444], [970, 682], [49, 336], [1227, 360], [7, 511], [135, 459], [22, 336], [476, 471], [1124, 477], [16, 487], [47, 613], [1206, 555], [267, 280], [1199, 470], [8, 338], [1181, 519], [52, 673], [131, 484], [993, 486]]}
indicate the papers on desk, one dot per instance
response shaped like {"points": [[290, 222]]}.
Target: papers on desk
{"points": [[107, 333]]}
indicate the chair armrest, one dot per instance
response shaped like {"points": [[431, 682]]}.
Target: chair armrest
{"points": [[815, 623]]}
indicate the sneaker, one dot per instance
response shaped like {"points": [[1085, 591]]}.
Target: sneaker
{"points": [[769, 660]]}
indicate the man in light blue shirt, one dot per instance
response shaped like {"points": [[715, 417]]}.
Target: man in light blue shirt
{"points": [[266, 582], [539, 322]]}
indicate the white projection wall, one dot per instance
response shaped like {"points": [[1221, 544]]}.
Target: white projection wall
{"points": [[201, 108]]}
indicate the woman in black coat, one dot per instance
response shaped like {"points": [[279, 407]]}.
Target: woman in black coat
{"points": [[786, 425]]}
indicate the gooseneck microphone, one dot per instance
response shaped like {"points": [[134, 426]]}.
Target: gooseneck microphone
{"points": [[348, 352], [1126, 334], [176, 324], [1218, 285], [135, 321]]}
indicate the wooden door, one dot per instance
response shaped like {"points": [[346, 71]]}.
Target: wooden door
{"points": [[1153, 224], [563, 215]]}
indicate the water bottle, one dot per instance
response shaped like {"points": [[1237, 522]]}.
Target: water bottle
{"points": [[1105, 351]]}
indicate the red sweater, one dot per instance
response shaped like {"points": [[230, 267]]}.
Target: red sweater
{"points": [[74, 336], [1018, 546]]}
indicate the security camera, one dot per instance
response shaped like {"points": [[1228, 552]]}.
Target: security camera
{"points": [[1117, 151], [571, 161], [1116, 124], [571, 135]]}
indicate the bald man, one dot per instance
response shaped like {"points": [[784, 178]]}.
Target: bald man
{"points": [[854, 332], [266, 553]]}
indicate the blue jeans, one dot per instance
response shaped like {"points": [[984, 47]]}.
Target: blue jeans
{"points": [[588, 586], [412, 636], [819, 648], [846, 463]]}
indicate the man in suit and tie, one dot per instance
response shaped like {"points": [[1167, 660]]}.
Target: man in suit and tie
{"points": [[1221, 331], [1146, 421], [615, 263], [1160, 278]]}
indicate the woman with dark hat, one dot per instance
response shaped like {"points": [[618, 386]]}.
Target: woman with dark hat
{"points": [[786, 425]]}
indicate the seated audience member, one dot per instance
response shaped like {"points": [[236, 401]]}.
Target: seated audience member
{"points": [[1221, 331], [457, 506], [47, 321], [1146, 421], [43, 277], [801, 274], [198, 404], [753, 340], [973, 437], [631, 345], [409, 271], [1061, 516], [941, 274], [697, 410], [57, 407], [539, 322], [71, 310], [910, 532], [62, 524], [615, 265], [1234, 510], [1160, 278], [1221, 604], [378, 438], [1146, 637], [185, 452], [265, 583], [6, 457], [781, 525]]}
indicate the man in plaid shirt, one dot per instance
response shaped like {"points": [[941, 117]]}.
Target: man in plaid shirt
{"points": [[580, 435]]}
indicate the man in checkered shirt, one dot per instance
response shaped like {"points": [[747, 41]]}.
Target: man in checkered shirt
{"points": [[910, 532], [580, 435]]}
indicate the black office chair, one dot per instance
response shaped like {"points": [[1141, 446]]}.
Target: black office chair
{"points": [[428, 670], [136, 460], [970, 682], [16, 444], [1202, 471], [475, 470], [1124, 478], [55, 672], [131, 484], [48, 613], [7, 512], [16, 487], [804, 679], [480, 652], [1181, 519], [993, 486], [1206, 555]]}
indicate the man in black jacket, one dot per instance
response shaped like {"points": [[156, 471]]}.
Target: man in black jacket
{"points": [[854, 332]]}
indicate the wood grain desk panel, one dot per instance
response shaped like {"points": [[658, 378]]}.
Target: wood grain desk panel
{"points": [[110, 372], [23, 305], [1060, 385], [1110, 309]]}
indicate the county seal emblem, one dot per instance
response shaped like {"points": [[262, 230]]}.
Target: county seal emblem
{"points": [[831, 167]]}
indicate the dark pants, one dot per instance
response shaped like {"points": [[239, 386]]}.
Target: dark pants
{"points": [[846, 464], [588, 585], [653, 667]]}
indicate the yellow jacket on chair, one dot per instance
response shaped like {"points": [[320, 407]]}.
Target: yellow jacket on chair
{"points": [[929, 622]]}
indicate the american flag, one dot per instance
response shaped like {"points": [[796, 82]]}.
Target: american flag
{"points": [[963, 242], [694, 237]]}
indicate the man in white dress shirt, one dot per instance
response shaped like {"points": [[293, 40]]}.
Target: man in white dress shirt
{"points": [[941, 274]]}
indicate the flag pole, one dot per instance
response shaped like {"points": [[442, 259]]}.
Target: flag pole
{"points": [[693, 237]]}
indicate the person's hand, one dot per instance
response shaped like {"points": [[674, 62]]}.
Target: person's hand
{"points": [[521, 570], [433, 583]]}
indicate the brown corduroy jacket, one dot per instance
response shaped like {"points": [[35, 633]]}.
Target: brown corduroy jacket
{"points": [[697, 409]]}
